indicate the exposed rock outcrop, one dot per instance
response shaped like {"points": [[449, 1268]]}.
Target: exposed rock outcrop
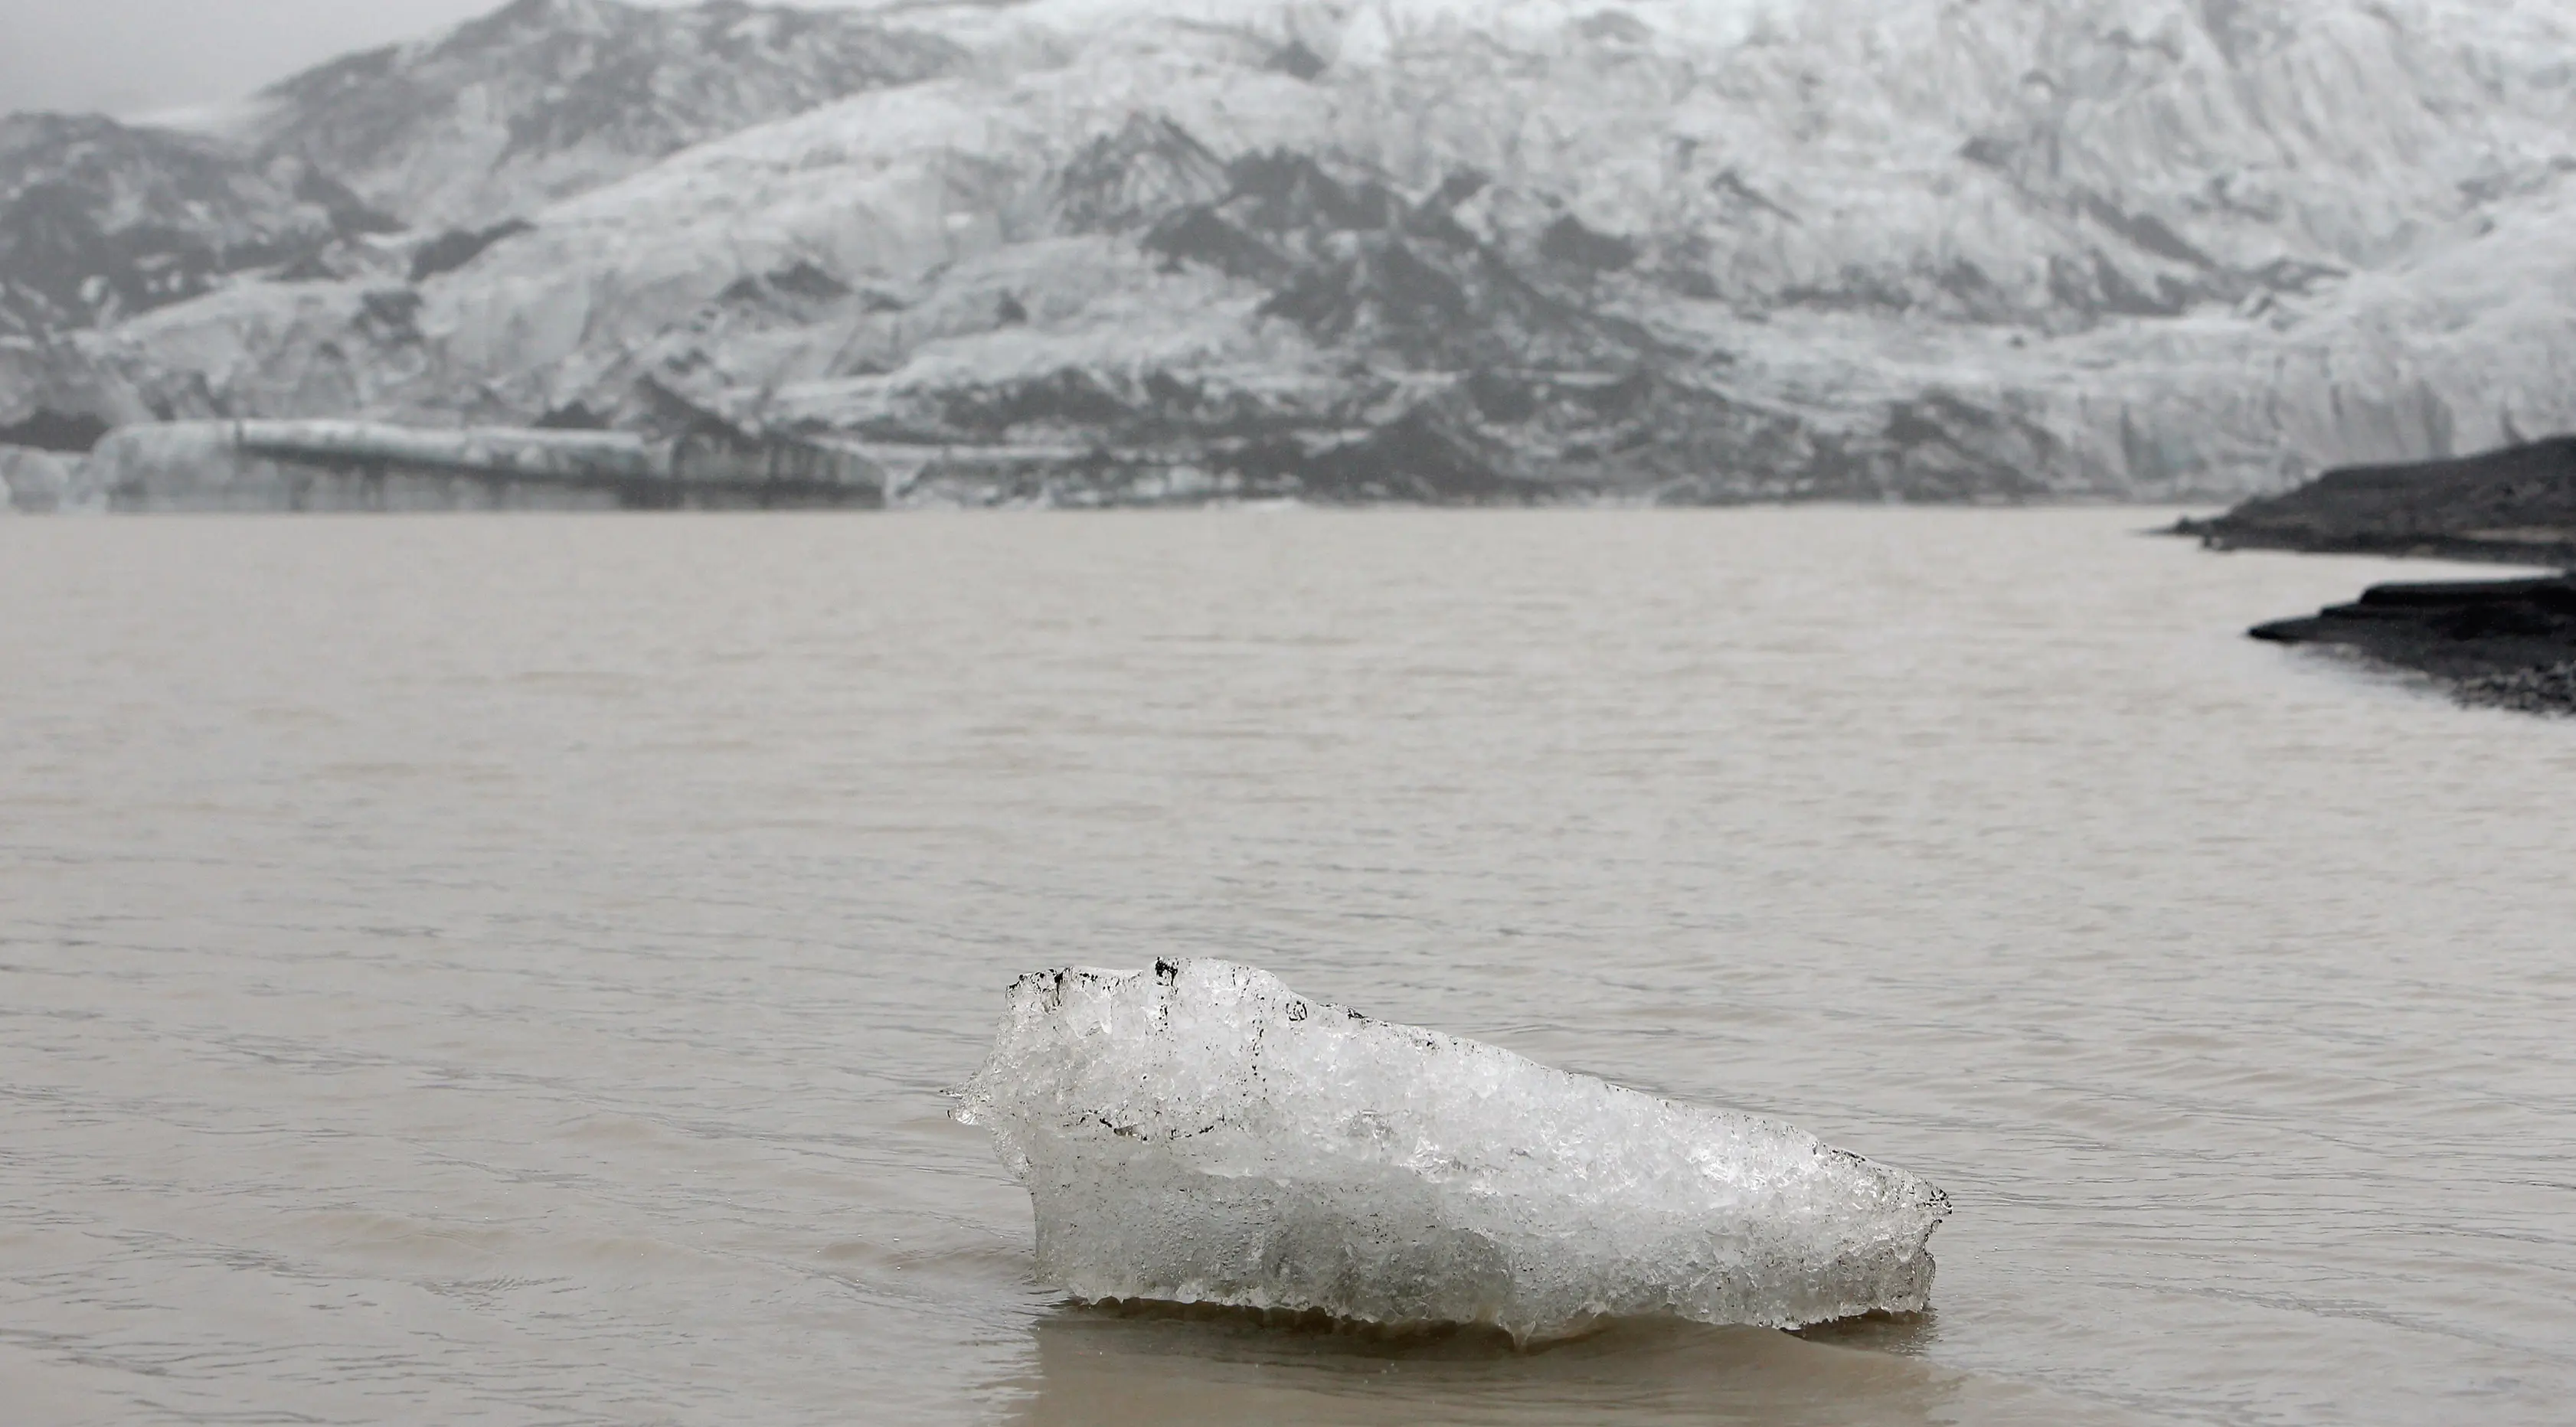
{"points": [[99, 221], [49, 430]]}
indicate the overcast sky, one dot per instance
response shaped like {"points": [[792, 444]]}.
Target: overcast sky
{"points": [[135, 56]]}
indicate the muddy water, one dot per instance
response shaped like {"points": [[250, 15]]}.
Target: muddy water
{"points": [[503, 968]]}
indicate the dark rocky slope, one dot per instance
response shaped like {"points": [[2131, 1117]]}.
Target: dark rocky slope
{"points": [[2516, 506]]}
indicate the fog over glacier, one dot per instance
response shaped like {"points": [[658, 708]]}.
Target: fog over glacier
{"points": [[1449, 249]]}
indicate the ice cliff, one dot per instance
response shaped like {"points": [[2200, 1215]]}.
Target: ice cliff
{"points": [[1200, 1133], [255, 465], [1106, 250], [37, 482]]}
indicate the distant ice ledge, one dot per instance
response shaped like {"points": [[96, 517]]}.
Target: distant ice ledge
{"points": [[358, 465]]}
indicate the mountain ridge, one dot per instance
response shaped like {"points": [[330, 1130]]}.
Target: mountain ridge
{"points": [[543, 99], [2013, 250], [457, 133]]}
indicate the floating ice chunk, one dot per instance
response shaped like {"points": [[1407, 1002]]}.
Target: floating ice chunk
{"points": [[1202, 1134]]}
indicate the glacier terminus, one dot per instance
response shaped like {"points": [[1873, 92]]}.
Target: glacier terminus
{"points": [[1150, 251]]}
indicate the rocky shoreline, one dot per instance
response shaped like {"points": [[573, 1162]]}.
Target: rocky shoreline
{"points": [[2514, 506], [2493, 643], [2510, 642]]}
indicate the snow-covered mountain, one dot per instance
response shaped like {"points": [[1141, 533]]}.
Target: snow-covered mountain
{"points": [[548, 98], [454, 137], [99, 221], [1102, 249]]}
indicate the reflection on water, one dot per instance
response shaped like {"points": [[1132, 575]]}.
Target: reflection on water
{"points": [[1116, 1367]]}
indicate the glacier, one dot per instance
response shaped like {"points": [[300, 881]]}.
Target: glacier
{"points": [[348, 465], [1067, 250], [38, 482], [1200, 1133]]}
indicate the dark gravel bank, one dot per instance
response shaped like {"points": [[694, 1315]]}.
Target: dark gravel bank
{"points": [[2516, 505], [2500, 643]]}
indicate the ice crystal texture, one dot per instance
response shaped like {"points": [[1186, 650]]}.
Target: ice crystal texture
{"points": [[1200, 1133]]}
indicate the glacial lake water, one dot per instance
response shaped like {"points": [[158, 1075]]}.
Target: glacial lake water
{"points": [[503, 969]]}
